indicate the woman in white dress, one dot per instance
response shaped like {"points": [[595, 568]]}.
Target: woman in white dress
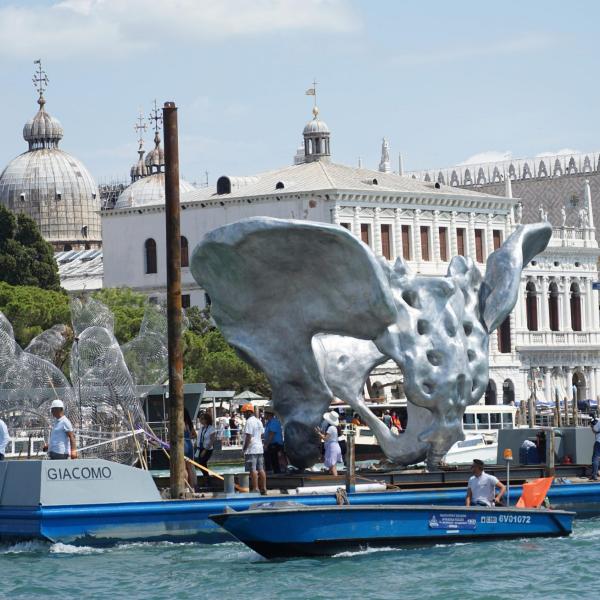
{"points": [[333, 452]]}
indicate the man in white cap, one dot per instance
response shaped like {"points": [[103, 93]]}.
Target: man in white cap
{"points": [[4, 439], [62, 439]]}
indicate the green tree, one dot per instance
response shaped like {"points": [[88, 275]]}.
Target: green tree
{"points": [[127, 307], [25, 257], [32, 310], [209, 359]]}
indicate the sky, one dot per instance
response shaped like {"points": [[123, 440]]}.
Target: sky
{"points": [[444, 81]]}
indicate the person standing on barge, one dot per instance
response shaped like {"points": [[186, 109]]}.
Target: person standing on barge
{"points": [[62, 442], [253, 450], [4, 439], [333, 452]]}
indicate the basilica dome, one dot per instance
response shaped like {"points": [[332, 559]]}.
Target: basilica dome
{"points": [[148, 191], [52, 187]]}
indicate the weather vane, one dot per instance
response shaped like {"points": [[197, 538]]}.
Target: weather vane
{"points": [[140, 128], [40, 79], [156, 117], [313, 91]]}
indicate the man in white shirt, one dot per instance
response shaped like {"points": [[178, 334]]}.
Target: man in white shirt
{"points": [[62, 443], [481, 490], [596, 455], [253, 450], [4, 438]]}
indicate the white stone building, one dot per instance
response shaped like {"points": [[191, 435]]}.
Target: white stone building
{"points": [[551, 340]]}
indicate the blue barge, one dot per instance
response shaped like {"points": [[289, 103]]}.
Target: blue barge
{"points": [[96, 502], [288, 531]]}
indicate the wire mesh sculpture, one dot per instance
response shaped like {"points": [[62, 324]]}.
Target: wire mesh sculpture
{"points": [[101, 400]]}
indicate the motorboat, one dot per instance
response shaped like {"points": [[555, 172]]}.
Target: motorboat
{"points": [[290, 529]]}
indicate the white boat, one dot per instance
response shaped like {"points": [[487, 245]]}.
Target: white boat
{"points": [[481, 423]]}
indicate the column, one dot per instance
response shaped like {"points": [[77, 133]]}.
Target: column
{"points": [[547, 384], [356, 222], [568, 375], [416, 234], [597, 380], [525, 391], [543, 307], [436, 236], [566, 300], [397, 233], [592, 383], [453, 247], [336, 215], [519, 309], [589, 383], [587, 300], [489, 235], [377, 231], [471, 237]]}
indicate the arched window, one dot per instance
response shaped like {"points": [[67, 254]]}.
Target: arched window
{"points": [[508, 392], [67, 247], [223, 185], [531, 307], [185, 255], [504, 336], [575, 307], [150, 252], [553, 307], [490, 393]]}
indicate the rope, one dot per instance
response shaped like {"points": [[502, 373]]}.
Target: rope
{"points": [[341, 497]]}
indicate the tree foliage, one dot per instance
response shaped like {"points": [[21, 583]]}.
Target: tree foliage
{"points": [[25, 257], [127, 307], [208, 358], [32, 310]]}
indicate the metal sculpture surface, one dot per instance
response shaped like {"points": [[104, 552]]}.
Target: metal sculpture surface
{"points": [[312, 306]]}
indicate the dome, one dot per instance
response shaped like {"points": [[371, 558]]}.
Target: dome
{"points": [[315, 125], [58, 192], [155, 159], [43, 131], [148, 191]]}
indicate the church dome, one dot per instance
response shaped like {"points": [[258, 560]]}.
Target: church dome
{"points": [[148, 191], [155, 159], [52, 187], [315, 125]]}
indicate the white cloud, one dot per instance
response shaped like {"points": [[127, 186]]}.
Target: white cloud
{"points": [[527, 42], [560, 152], [487, 156], [117, 27]]}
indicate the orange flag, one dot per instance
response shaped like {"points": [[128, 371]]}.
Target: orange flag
{"points": [[534, 492]]}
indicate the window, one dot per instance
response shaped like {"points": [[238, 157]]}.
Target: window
{"points": [[365, 233], [531, 306], [406, 242], [67, 247], [575, 307], [443, 243], [223, 185], [185, 301], [185, 255], [346, 226], [497, 234], [425, 243], [460, 241], [479, 245], [207, 300], [150, 250], [553, 307], [386, 247], [504, 336]]}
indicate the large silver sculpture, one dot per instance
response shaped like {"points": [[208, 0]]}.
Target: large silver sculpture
{"points": [[312, 306]]}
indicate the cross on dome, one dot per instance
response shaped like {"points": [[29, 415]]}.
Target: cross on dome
{"points": [[40, 80], [156, 116]]}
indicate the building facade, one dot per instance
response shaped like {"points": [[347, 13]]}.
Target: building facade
{"points": [[550, 344]]}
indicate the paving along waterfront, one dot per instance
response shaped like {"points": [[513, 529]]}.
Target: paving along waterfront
{"points": [[318, 380]]}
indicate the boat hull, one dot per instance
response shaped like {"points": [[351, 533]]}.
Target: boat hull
{"points": [[326, 531]]}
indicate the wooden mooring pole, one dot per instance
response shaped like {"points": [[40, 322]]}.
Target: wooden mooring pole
{"points": [[174, 317]]}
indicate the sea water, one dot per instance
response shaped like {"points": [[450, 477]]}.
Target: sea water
{"points": [[525, 569]]}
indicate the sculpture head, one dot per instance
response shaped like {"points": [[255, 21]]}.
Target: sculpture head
{"points": [[275, 285]]}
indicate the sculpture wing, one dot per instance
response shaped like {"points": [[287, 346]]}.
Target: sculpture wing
{"points": [[499, 290], [273, 284]]}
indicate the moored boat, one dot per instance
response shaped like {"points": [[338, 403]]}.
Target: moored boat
{"points": [[281, 531]]}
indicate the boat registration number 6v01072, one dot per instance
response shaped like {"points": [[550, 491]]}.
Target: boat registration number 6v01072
{"points": [[523, 519]]}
